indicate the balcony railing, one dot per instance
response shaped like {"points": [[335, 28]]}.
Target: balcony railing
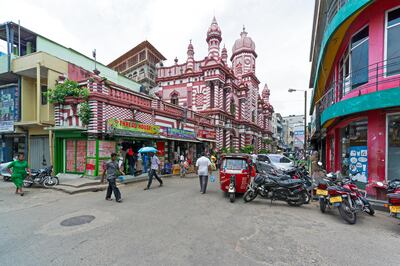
{"points": [[333, 9], [378, 76]]}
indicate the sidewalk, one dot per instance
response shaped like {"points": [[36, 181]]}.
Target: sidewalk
{"points": [[73, 184]]}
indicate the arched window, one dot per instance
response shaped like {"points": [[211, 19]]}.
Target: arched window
{"points": [[174, 98]]}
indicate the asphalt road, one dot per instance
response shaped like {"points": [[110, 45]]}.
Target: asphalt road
{"points": [[176, 225]]}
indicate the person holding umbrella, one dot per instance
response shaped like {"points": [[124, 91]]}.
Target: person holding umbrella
{"points": [[154, 167]]}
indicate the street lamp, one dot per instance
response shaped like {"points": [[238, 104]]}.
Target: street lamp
{"points": [[305, 119]]}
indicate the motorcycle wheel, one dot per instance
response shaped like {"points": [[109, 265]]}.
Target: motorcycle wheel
{"points": [[50, 181], [307, 198], [322, 205], [370, 210], [347, 214], [299, 202], [27, 183], [249, 195], [232, 197], [6, 178]]}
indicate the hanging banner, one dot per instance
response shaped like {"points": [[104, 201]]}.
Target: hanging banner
{"points": [[132, 126], [206, 134]]}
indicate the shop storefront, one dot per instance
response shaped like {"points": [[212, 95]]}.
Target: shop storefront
{"points": [[208, 139], [366, 147]]}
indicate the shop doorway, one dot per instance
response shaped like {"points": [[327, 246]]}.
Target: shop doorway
{"points": [[393, 147], [39, 152]]}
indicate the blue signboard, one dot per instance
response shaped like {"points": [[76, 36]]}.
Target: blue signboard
{"points": [[9, 103], [358, 163]]}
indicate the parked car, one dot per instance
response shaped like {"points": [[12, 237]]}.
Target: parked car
{"points": [[279, 161]]}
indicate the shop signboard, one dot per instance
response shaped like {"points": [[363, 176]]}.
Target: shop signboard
{"points": [[358, 163], [132, 126], [298, 138], [6, 126], [180, 133], [206, 134]]}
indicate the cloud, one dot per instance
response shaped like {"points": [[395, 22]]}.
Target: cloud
{"points": [[280, 29]]}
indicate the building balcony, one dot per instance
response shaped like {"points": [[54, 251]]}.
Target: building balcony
{"points": [[371, 81]]}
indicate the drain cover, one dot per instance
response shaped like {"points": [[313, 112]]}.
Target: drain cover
{"points": [[78, 220]]}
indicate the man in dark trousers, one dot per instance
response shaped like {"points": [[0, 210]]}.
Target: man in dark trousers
{"points": [[112, 171], [203, 167], [154, 167]]}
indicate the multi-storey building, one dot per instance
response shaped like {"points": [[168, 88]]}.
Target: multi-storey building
{"points": [[356, 88], [139, 64], [296, 122], [229, 93]]}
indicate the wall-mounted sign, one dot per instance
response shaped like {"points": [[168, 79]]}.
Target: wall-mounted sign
{"points": [[177, 133], [6, 126], [132, 126], [206, 134], [9, 103]]}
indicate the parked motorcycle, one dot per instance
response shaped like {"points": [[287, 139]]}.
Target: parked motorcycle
{"points": [[268, 186], [300, 172], [393, 196], [344, 195], [42, 177]]}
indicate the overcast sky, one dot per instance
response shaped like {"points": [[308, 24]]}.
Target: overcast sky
{"points": [[281, 30]]}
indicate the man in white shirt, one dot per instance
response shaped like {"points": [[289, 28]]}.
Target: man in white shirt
{"points": [[154, 167], [203, 167]]}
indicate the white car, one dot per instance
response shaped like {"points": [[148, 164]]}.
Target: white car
{"points": [[280, 161]]}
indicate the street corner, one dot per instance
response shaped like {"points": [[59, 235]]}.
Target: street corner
{"points": [[76, 222]]}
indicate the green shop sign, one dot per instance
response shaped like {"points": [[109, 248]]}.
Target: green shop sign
{"points": [[132, 126]]}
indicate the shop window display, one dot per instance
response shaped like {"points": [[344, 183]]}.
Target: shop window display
{"points": [[354, 150]]}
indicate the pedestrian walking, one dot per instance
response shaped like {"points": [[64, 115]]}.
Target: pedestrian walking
{"points": [[154, 167], [130, 156], [19, 171], [203, 167], [112, 171]]}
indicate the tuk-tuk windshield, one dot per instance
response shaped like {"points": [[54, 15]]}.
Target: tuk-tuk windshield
{"points": [[234, 164]]}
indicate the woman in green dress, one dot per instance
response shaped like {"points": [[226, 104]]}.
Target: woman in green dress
{"points": [[18, 173]]}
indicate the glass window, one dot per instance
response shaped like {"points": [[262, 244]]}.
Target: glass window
{"points": [[263, 158], [393, 152], [354, 150], [43, 89], [359, 58], [392, 43], [234, 164]]}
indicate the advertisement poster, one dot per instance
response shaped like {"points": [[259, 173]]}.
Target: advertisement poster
{"points": [[106, 148], [70, 156], [80, 156], [91, 148], [298, 138], [161, 148], [9, 109], [358, 163], [91, 167]]}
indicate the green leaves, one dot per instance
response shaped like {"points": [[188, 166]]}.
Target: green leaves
{"points": [[84, 113], [65, 89], [70, 88]]}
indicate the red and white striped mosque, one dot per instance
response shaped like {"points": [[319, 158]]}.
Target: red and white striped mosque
{"points": [[225, 91]]}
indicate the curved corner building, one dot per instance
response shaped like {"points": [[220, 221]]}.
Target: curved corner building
{"points": [[355, 76]]}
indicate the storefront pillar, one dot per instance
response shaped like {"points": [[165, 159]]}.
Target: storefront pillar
{"points": [[376, 152]]}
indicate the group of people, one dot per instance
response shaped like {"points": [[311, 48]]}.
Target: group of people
{"points": [[113, 170]]}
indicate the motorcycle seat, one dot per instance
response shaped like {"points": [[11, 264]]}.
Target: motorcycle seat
{"points": [[290, 182]]}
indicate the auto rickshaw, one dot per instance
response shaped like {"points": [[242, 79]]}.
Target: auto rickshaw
{"points": [[235, 173]]}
